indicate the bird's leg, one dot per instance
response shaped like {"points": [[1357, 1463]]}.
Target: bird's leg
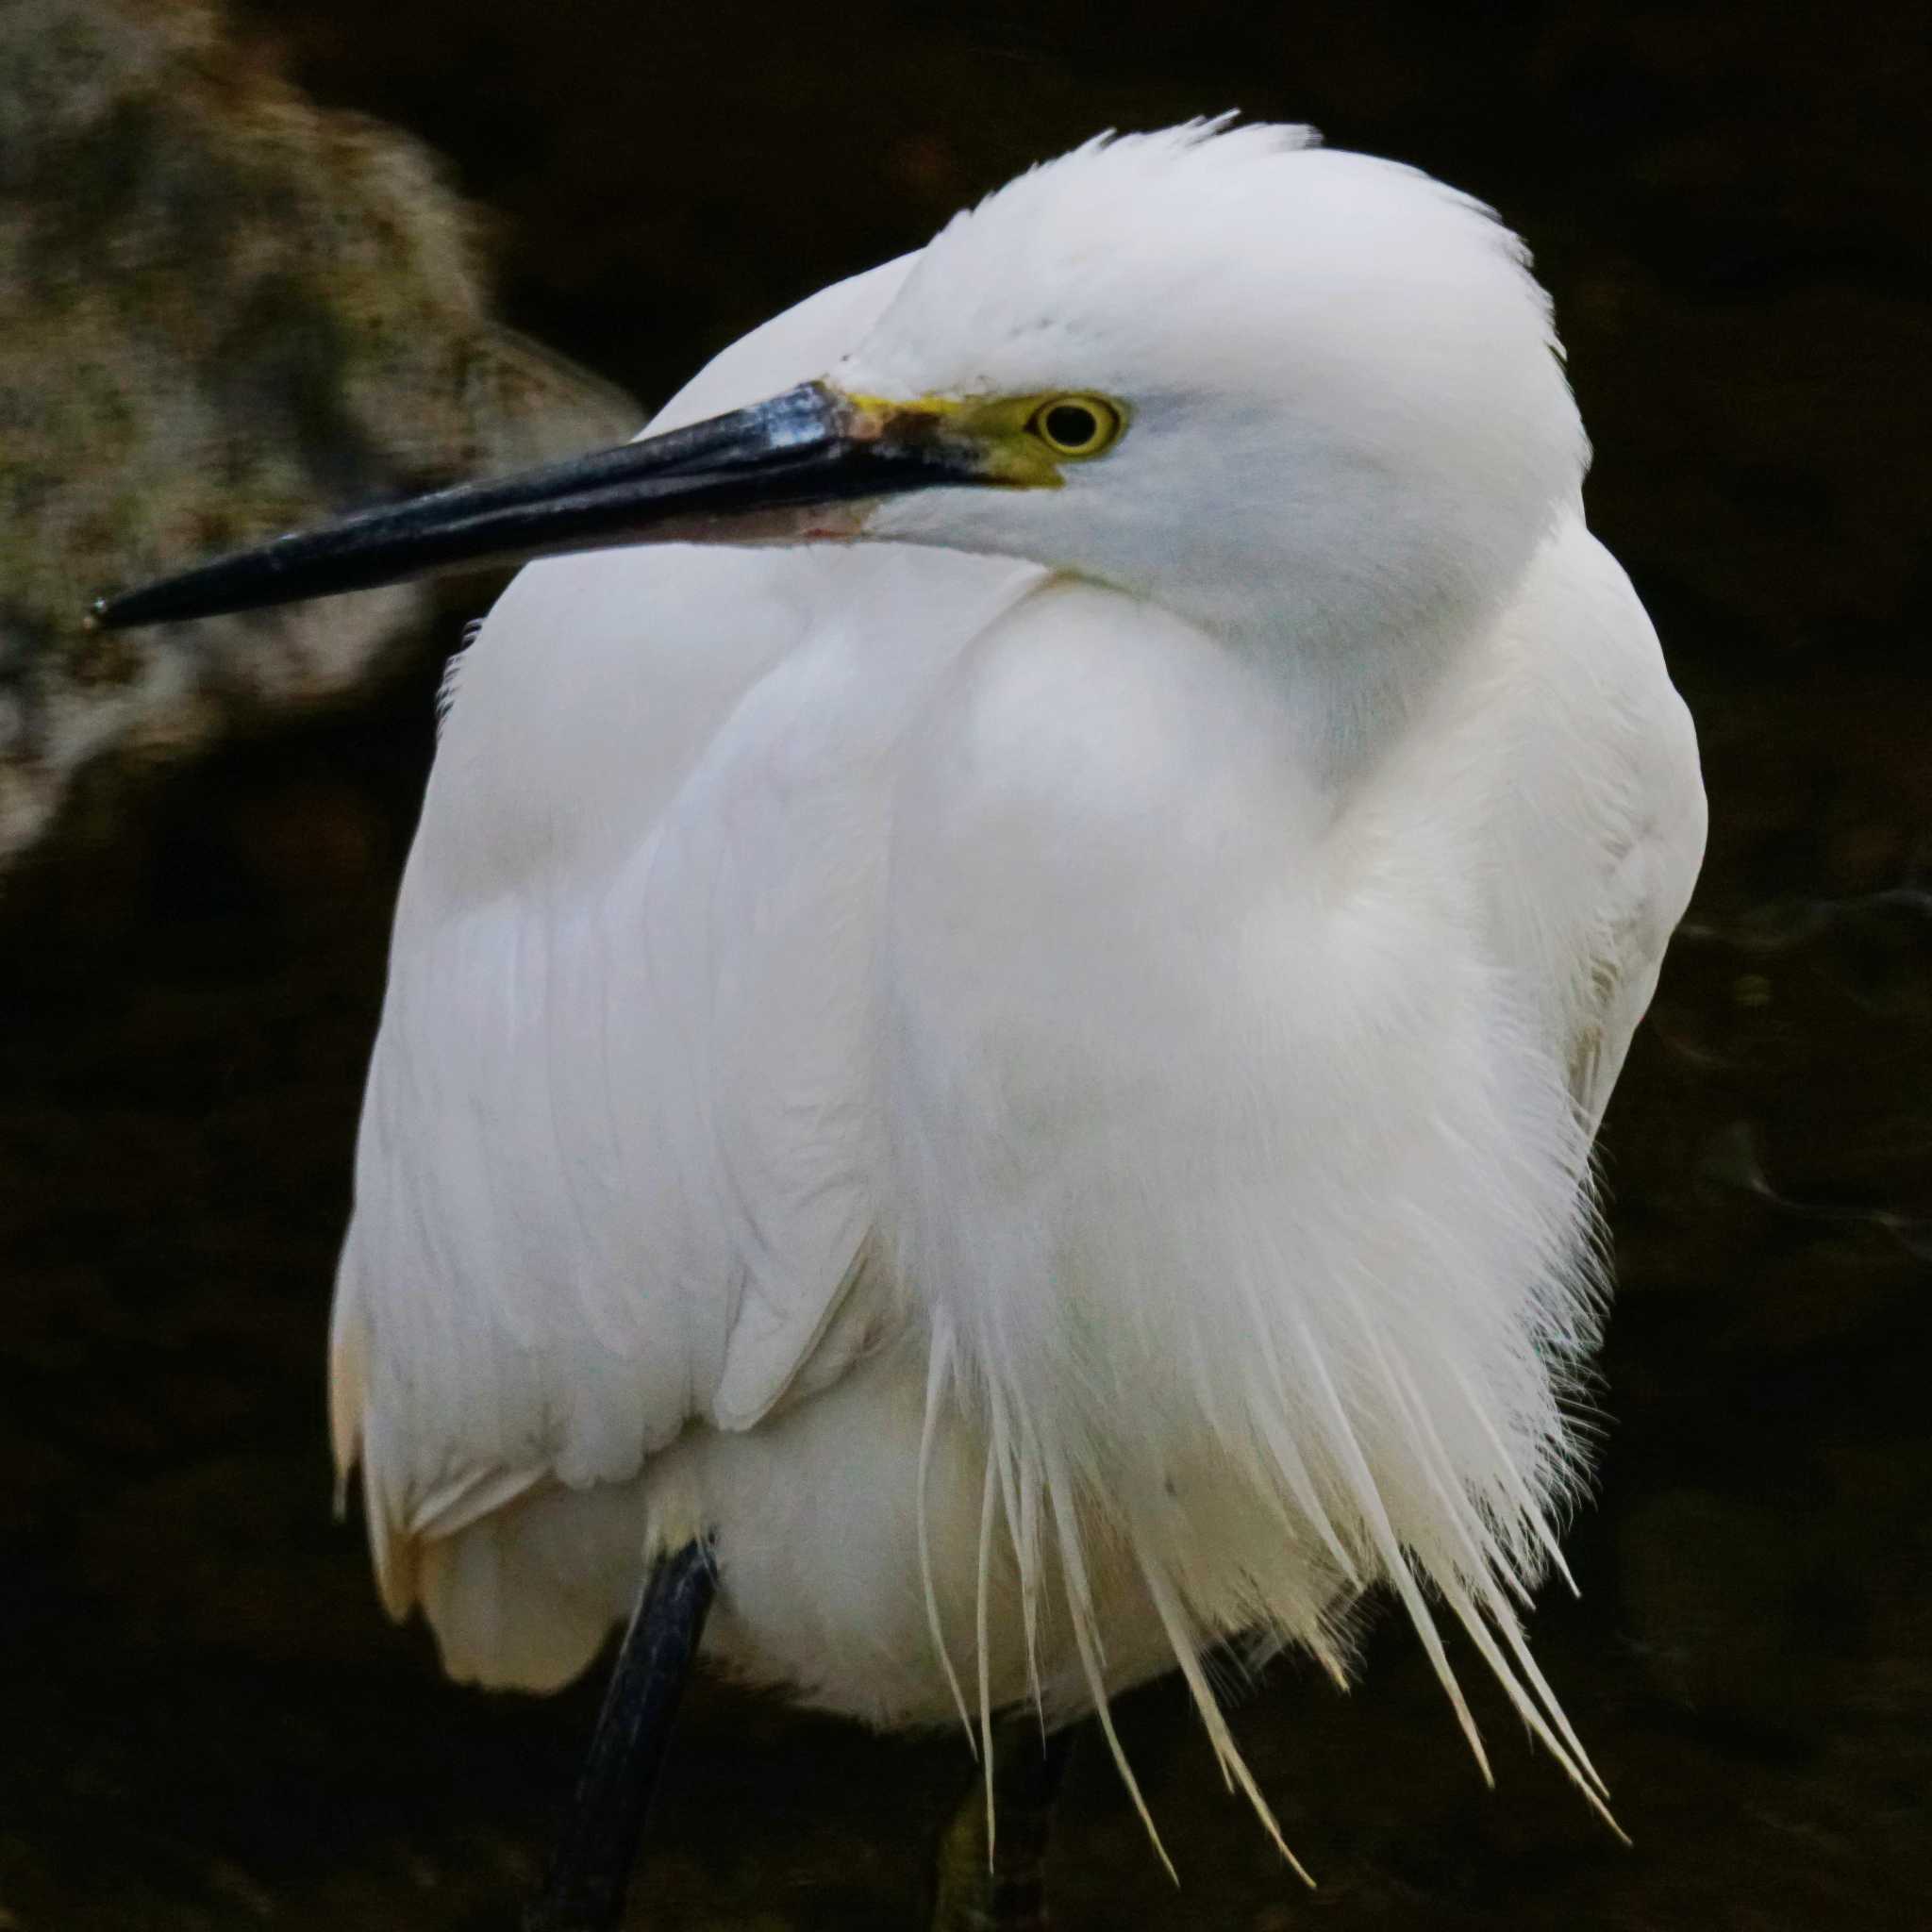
{"points": [[585, 1890], [1007, 1891]]}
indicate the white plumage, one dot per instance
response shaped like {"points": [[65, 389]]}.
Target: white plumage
{"points": [[1046, 1103]]}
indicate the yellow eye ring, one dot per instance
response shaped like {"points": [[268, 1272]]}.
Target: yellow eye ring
{"points": [[1077, 426]]}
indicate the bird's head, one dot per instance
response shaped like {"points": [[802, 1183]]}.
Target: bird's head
{"points": [[1272, 386]]}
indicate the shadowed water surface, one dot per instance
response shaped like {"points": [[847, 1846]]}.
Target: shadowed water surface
{"points": [[204, 1720]]}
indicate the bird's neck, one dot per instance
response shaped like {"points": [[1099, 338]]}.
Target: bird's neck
{"points": [[1349, 697]]}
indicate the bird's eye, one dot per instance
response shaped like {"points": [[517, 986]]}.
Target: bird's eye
{"points": [[1077, 426]]}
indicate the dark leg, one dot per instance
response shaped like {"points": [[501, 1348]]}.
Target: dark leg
{"points": [[1009, 1895], [586, 1883]]}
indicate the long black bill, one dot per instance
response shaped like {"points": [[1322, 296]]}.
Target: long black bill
{"points": [[808, 447]]}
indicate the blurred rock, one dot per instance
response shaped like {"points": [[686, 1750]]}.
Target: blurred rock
{"points": [[223, 312]]}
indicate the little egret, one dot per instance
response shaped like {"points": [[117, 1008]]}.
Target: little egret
{"points": [[998, 1012]]}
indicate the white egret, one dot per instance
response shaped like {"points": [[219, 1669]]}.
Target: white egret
{"points": [[992, 1048]]}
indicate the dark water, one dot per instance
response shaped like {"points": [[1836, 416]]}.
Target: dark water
{"points": [[204, 1720]]}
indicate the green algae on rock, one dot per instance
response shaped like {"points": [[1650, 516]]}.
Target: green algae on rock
{"points": [[222, 312]]}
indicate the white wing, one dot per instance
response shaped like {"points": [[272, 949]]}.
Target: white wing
{"points": [[1601, 813], [614, 1159]]}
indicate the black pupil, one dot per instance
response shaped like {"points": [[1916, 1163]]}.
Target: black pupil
{"points": [[1073, 425]]}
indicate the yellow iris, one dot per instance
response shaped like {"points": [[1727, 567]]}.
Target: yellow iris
{"points": [[1077, 426]]}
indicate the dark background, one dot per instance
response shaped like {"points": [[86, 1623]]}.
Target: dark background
{"points": [[204, 1720]]}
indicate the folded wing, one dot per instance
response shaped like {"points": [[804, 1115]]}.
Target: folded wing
{"points": [[614, 1168]]}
